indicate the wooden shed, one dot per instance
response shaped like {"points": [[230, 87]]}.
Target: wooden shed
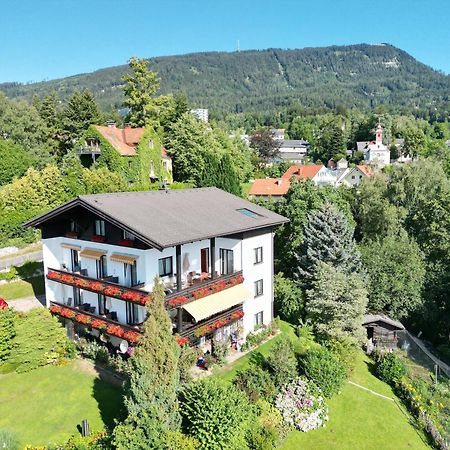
{"points": [[381, 331]]}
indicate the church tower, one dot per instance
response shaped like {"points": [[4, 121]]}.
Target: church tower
{"points": [[379, 134]]}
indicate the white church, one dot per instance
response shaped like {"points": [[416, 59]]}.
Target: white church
{"points": [[375, 152]]}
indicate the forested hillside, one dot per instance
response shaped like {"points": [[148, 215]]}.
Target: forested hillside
{"points": [[361, 76]]}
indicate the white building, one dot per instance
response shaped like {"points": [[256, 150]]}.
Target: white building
{"points": [[293, 151], [212, 250], [200, 114], [375, 152]]}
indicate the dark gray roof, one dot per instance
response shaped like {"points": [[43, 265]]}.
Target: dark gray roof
{"points": [[294, 143], [362, 145], [167, 218], [291, 156], [371, 318]]}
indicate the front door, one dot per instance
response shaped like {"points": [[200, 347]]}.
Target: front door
{"points": [[204, 252]]}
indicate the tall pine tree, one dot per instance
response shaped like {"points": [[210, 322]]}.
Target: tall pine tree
{"points": [[328, 238], [151, 392]]}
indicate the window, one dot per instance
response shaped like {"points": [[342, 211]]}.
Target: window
{"points": [[128, 236], [132, 314], [75, 257], [248, 212], [258, 320], [258, 288], [258, 255], [226, 261], [102, 305], [165, 267], [130, 274], [101, 267], [100, 227]]}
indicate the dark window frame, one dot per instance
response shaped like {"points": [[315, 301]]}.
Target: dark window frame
{"points": [[259, 256], [259, 287], [166, 271]]}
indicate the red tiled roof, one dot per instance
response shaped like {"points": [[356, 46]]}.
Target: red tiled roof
{"points": [[270, 187], [365, 170], [301, 172], [124, 140]]}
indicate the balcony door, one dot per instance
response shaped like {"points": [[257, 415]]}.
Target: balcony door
{"points": [[204, 260], [130, 274], [75, 259], [101, 267], [226, 261]]}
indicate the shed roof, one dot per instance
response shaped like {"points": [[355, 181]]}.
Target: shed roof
{"points": [[371, 318], [170, 217]]}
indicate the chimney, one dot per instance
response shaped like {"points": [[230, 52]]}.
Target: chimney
{"points": [[111, 124], [279, 181]]}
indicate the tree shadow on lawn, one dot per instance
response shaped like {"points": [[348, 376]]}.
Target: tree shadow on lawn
{"points": [[372, 368], [109, 398]]}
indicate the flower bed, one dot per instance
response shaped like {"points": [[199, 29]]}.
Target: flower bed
{"points": [[206, 329], [301, 405], [99, 287]]}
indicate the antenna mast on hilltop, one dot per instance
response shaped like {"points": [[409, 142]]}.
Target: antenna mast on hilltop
{"points": [[238, 47]]}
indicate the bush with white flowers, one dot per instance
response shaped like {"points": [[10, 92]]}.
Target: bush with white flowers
{"points": [[302, 405]]}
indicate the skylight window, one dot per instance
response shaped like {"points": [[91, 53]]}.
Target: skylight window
{"points": [[249, 213]]}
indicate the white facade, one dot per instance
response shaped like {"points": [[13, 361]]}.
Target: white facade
{"points": [[378, 153], [57, 255], [200, 114]]}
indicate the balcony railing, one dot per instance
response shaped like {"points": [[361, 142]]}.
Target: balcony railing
{"points": [[139, 296], [101, 323], [102, 286], [213, 323], [203, 289]]}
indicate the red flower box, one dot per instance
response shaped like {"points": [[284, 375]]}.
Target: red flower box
{"points": [[81, 283], [72, 234], [98, 238], [99, 324], [55, 309], [112, 291], [126, 243], [177, 301], [131, 336], [3, 304], [67, 278], [181, 340], [115, 330], [238, 279], [66, 312], [83, 318], [52, 275], [200, 293], [96, 286], [237, 315], [218, 286]]}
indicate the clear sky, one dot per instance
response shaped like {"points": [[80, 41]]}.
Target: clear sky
{"points": [[44, 39]]}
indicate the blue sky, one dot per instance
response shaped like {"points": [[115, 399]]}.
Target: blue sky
{"points": [[44, 39]]}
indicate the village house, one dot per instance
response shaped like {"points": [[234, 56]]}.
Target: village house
{"points": [[125, 142], [269, 188], [375, 152], [212, 251]]}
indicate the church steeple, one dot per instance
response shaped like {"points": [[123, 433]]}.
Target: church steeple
{"points": [[379, 134]]}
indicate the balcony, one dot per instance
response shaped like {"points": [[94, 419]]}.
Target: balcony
{"points": [[105, 286], [109, 287], [92, 321]]}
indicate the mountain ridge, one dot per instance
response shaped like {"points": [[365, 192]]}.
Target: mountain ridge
{"points": [[360, 75]]}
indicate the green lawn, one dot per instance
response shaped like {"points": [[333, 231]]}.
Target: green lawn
{"points": [[46, 405], [22, 288], [358, 419]]}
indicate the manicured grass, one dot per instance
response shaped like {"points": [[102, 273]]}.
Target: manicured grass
{"points": [[22, 288], [246, 188], [358, 419], [46, 405]]}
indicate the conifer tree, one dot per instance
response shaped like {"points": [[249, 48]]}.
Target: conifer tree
{"points": [[328, 239], [151, 391], [336, 303]]}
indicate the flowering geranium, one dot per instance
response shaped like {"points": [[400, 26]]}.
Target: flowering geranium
{"points": [[200, 293], [52, 275], [131, 336], [66, 312], [301, 405], [55, 309], [236, 315], [181, 340], [67, 278], [177, 301], [96, 286], [112, 291], [238, 279], [3, 304], [115, 330], [81, 283], [97, 238], [83, 318], [218, 286], [99, 324]]}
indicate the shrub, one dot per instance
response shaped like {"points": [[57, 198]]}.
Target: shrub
{"points": [[267, 430], [216, 414], [7, 332], [390, 368], [179, 441], [220, 351], [94, 351], [302, 406], [9, 275], [8, 440], [187, 358], [281, 362], [256, 383], [40, 340], [344, 350], [324, 369]]}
